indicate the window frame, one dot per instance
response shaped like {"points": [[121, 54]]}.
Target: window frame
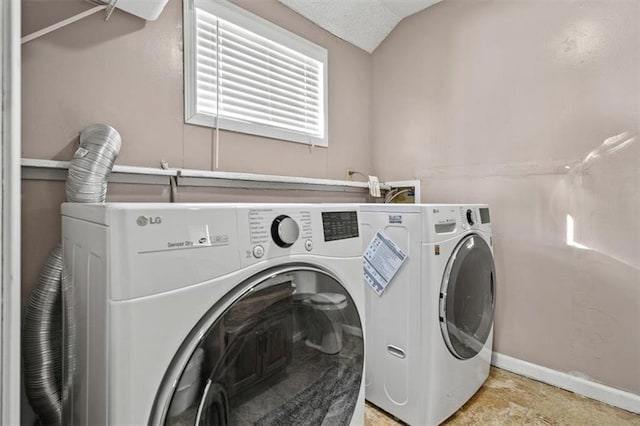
{"points": [[238, 16]]}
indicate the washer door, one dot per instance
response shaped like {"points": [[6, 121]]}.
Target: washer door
{"points": [[284, 347], [467, 297]]}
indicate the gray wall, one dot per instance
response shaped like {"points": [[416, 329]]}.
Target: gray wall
{"points": [[533, 107], [128, 73]]}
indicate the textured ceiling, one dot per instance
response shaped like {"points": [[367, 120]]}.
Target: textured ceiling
{"points": [[363, 23]]}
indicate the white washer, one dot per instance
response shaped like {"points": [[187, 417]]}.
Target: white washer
{"points": [[200, 313], [431, 331]]}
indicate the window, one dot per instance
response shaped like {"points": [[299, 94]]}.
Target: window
{"points": [[245, 74]]}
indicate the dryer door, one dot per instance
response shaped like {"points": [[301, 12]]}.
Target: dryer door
{"points": [[467, 297], [285, 347]]}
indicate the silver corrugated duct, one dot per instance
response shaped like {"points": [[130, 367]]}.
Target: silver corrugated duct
{"points": [[42, 336], [42, 342], [92, 163]]}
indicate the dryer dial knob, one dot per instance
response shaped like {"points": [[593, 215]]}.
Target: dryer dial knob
{"points": [[471, 217], [284, 231]]}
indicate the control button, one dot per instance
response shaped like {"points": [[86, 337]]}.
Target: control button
{"points": [[284, 231], [258, 251], [471, 217], [308, 245]]}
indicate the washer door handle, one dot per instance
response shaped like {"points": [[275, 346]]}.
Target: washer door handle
{"points": [[396, 351]]}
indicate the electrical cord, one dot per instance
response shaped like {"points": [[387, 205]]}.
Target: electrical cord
{"points": [[388, 198], [355, 172]]}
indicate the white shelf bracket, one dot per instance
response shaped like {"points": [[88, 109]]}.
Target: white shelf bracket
{"points": [[71, 20], [110, 8]]}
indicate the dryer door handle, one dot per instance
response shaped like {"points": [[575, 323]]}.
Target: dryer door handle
{"points": [[493, 289], [396, 351]]}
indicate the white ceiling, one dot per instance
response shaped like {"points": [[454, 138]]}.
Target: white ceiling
{"points": [[363, 23]]}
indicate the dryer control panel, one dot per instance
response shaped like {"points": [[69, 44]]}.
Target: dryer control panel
{"points": [[468, 217], [475, 217], [445, 220]]}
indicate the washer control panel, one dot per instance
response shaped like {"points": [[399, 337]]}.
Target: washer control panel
{"points": [[270, 228], [258, 251], [340, 225], [267, 225], [276, 230], [284, 231], [308, 245]]}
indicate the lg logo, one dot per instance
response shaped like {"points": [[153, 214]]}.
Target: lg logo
{"points": [[148, 220]]}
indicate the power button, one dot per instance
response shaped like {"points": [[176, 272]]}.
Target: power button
{"points": [[308, 245], [258, 251]]}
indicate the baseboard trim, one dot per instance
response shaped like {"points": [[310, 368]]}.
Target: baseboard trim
{"points": [[612, 396]]}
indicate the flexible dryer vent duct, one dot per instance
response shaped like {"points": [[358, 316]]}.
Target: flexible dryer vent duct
{"points": [[42, 337]]}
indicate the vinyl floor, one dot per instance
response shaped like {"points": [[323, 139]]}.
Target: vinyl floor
{"points": [[510, 399]]}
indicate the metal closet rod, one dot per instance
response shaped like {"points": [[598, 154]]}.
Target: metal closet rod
{"points": [[108, 7], [36, 169]]}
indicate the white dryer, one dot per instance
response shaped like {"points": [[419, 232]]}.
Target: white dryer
{"points": [[431, 331], [213, 314]]}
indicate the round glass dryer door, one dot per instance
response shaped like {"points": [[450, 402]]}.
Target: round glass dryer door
{"points": [[285, 347], [467, 297]]}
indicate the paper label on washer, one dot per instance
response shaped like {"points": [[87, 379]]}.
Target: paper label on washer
{"points": [[381, 260]]}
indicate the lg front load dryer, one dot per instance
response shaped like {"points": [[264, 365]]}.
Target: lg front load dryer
{"points": [[213, 314], [431, 331]]}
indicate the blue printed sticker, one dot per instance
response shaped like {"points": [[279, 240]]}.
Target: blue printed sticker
{"points": [[395, 218]]}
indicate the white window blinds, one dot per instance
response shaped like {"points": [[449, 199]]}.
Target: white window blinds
{"points": [[253, 77]]}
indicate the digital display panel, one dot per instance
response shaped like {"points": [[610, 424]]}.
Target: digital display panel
{"points": [[340, 225], [484, 215]]}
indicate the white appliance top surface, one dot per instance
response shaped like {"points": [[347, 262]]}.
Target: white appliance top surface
{"points": [[99, 212], [409, 208]]}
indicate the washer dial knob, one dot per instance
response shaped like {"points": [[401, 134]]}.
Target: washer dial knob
{"points": [[471, 217], [284, 231]]}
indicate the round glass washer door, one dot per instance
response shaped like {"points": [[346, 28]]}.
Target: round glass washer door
{"points": [[467, 297], [284, 347]]}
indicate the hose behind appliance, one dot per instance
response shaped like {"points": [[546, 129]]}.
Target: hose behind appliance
{"points": [[45, 335]]}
